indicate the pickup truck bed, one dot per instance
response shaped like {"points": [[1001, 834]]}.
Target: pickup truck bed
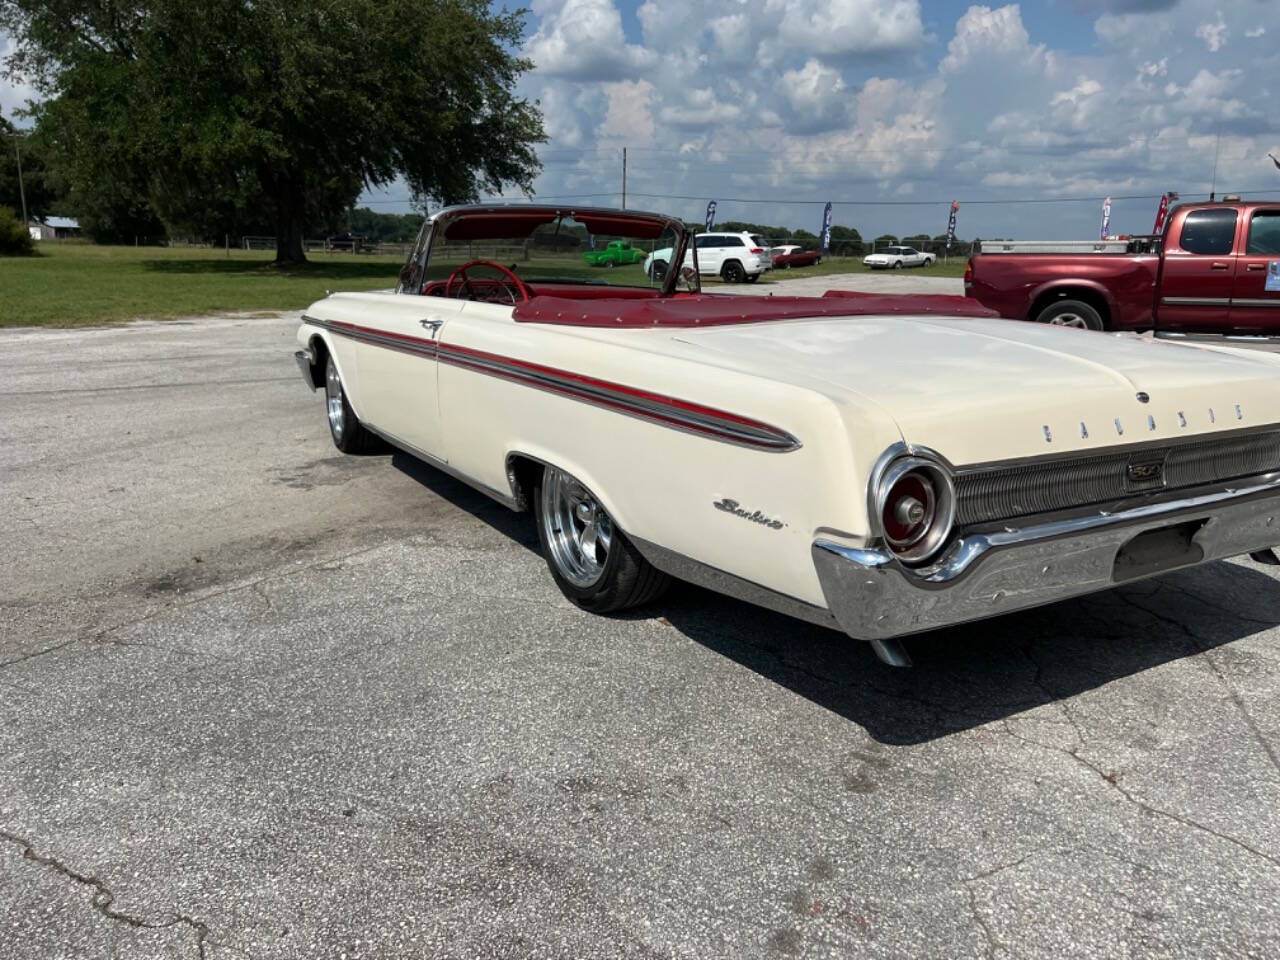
{"points": [[1208, 274]]}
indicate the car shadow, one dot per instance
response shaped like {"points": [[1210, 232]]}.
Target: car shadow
{"points": [[968, 676], [963, 677], [517, 526]]}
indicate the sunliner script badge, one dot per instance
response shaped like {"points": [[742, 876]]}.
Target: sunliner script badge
{"points": [[732, 506]]}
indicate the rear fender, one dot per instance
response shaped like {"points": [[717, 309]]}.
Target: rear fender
{"points": [[1063, 289]]}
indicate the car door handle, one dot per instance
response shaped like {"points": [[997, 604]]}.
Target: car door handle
{"points": [[1255, 266], [432, 325], [1219, 266]]}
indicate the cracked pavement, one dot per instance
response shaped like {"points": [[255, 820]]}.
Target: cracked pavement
{"points": [[258, 699]]}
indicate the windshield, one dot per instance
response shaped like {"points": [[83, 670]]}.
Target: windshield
{"points": [[558, 251]]}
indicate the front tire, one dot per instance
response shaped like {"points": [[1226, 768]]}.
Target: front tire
{"points": [[1071, 313], [897, 265], [590, 559], [348, 433]]}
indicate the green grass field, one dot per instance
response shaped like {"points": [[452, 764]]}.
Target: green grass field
{"points": [[79, 284]]}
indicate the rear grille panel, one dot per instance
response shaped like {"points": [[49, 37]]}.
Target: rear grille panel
{"points": [[985, 494]]}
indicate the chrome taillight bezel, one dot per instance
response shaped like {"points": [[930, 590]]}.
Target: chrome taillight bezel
{"points": [[938, 534]]}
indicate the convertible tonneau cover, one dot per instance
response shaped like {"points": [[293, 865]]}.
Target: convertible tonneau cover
{"points": [[712, 310]]}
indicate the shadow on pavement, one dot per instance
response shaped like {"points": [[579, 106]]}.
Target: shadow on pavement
{"points": [[986, 671], [963, 677]]}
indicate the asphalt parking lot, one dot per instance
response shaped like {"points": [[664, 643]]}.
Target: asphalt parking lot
{"points": [[258, 699]]}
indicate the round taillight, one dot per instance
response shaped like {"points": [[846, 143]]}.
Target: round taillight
{"points": [[916, 508]]}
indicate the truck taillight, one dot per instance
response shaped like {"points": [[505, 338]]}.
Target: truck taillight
{"points": [[968, 273]]}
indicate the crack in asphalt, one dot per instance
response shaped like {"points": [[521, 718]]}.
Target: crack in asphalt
{"points": [[103, 899], [994, 943], [1113, 780], [1205, 651]]}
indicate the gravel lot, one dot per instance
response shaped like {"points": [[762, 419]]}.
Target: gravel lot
{"points": [[260, 699]]}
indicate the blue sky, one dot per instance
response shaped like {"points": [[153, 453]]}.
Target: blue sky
{"points": [[893, 108]]}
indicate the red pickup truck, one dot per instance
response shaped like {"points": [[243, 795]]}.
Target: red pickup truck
{"points": [[1215, 270]]}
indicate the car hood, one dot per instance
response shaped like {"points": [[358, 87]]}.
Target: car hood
{"points": [[979, 390]]}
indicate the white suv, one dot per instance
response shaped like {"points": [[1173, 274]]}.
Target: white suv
{"points": [[734, 257]]}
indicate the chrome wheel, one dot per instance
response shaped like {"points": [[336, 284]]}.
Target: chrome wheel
{"points": [[1069, 320], [333, 398], [576, 528]]}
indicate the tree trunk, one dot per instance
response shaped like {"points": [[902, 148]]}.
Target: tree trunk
{"points": [[290, 226]]}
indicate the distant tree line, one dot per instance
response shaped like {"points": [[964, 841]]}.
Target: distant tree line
{"points": [[845, 241]]}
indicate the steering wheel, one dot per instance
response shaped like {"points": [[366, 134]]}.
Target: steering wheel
{"points": [[460, 275]]}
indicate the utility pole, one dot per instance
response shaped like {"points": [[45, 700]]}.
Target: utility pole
{"points": [[624, 178], [22, 192]]}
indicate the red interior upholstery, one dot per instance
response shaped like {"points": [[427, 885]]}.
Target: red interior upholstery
{"points": [[597, 305], [712, 310]]}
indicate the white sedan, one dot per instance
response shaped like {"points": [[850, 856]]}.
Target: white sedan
{"points": [[875, 464], [897, 257]]}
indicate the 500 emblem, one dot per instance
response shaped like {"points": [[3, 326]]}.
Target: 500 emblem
{"points": [[755, 516]]}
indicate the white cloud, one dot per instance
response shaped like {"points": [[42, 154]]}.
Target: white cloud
{"points": [[982, 33], [1087, 87], [1254, 32], [1214, 34], [583, 39], [843, 27], [816, 94], [628, 111]]}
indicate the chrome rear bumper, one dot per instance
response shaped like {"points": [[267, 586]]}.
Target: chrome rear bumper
{"points": [[874, 597]]}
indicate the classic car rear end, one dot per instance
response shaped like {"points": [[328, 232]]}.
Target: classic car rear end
{"points": [[774, 448]]}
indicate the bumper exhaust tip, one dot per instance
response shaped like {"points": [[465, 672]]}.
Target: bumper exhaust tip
{"points": [[891, 652]]}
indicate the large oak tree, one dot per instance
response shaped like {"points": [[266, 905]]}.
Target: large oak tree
{"points": [[242, 115]]}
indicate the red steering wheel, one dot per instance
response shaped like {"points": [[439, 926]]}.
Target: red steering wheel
{"points": [[460, 274]]}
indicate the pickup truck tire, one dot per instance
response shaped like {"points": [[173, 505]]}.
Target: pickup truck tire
{"points": [[599, 571], [1071, 313], [349, 434]]}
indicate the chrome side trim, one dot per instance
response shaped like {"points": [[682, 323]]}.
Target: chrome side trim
{"points": [[438, 464], [1255, 302], [872, 595], [713, 578], [667, 411], [304, 364], [1195, 301]]}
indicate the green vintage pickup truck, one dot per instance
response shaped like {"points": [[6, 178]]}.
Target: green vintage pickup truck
{"points": [[615, 253]]}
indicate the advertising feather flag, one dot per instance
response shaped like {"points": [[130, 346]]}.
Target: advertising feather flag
{"points": [[1106, 217]]}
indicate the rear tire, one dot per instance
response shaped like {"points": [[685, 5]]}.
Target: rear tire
{"points": [[658, 270], [1071, 313], [348, 433], [590, 559], [732, 272]]}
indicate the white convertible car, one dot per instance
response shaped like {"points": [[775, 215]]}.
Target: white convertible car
{"points": [[881, 465]]}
